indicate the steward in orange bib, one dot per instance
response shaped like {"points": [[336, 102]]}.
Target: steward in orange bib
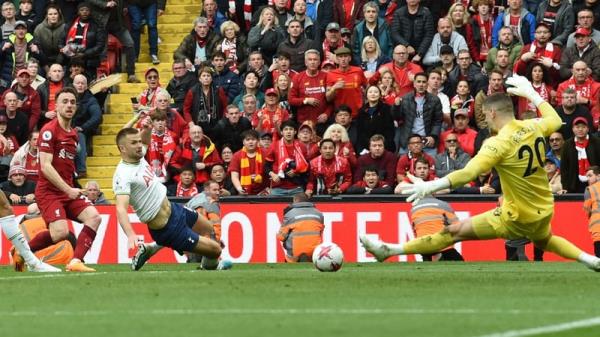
{"points": [[591, 205], [430, 216], [58, 253], [301, 230]]}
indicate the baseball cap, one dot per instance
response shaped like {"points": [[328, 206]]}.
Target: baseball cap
{"points": [[22, 71], [345, 31], [20, 23], [16, 169], [580, 120], [271, 91], [305, 125], [461, 112], [266, 134], [446, 49], [333, 26], [343, 51], [583, 31], [326, 63]]}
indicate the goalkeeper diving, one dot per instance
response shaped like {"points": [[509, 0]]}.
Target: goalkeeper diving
{"points": [[517, 153]]}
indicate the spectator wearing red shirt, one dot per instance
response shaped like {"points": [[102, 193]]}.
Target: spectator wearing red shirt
{"points": [[28, 97], [198, 152], [343, 146], [588, 90], [307, 93], [422, 171], [162, 146], [269, 118], [346, 84], [370, 183], [28, 156], [175, 122], [404, 70], [466, 135], [406, 163], [329, 173], [378, 157], [307, 136], [540, 50], [248, 167]]}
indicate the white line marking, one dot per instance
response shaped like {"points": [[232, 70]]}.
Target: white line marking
{"points": [[549, 328], [289, 311]]}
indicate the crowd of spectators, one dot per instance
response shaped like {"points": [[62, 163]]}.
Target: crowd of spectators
{"points": [[272, 97]]}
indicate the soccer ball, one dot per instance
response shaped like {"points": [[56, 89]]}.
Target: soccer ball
{"points": [[328, 257]]}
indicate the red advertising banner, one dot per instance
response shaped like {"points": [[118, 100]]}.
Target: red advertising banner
{"points": [[249, 231]]}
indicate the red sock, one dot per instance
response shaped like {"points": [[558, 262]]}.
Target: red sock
{"points": [[84, 242], [41, 241]]}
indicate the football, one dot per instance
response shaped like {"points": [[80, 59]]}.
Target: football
{"points": [[328, 257]]}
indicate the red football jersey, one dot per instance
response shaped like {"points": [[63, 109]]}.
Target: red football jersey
{"points": [[62, 144]]}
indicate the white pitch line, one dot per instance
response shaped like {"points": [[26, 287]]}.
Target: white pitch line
{"points": [[288, 311], [584, 323]]}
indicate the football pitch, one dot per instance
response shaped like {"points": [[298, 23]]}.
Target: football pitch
{"points": [[390, 299]]}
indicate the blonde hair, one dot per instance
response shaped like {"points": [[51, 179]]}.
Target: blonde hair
{"points": [[394, 83], [363, 51], [227, 25], [342, 130], [466, 16], [275, 19]]}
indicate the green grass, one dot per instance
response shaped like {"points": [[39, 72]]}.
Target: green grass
{"points": [[416, 299]]}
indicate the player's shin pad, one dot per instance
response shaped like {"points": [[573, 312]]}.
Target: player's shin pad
{"points": [[429, 244]]}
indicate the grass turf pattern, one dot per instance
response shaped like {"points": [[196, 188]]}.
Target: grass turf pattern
{"points": [[391, 299]]}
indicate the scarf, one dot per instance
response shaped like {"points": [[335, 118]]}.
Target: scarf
{"points": [[329, 48], [485, 29], [203, 151], [582, 160], [548, 50], [77, 35], [265, 118], [160, 152], [247, 12], [229, 48], [284, 158], [322, 173], [186, 192], [544, 93], [245, 174], [148, 96]]}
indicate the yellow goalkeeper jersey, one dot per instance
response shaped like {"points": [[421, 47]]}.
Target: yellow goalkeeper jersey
{"points": [[517, 153]]}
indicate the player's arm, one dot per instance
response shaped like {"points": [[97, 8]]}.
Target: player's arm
{"points": [[520, 86], [123, 218], [55, 179]]}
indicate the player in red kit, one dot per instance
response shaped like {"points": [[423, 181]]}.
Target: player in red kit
{"points": [[57, 199]]}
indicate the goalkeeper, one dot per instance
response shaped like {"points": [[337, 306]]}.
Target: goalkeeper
{"points": [[517, 153]]}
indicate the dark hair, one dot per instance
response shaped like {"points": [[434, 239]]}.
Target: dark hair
{"points": [[188, 168], [220, 54], [422, 160], [158, 115], [342, 107], [68, 90], [499, 72], [289, 123], [284, 54], [326, 140], [420, 74], [414, 135], [595, 169], [300, 197], [371, 168], [529, 72], [251, 72], [250, 134], [124, 133], [434, 71]]}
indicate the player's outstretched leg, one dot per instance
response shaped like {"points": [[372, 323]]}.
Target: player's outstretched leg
{"points": [[21, 252], [428, 244], [566, 249], [144, 253]]}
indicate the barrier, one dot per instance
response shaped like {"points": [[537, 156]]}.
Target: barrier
{"points": [[249, 227]]}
